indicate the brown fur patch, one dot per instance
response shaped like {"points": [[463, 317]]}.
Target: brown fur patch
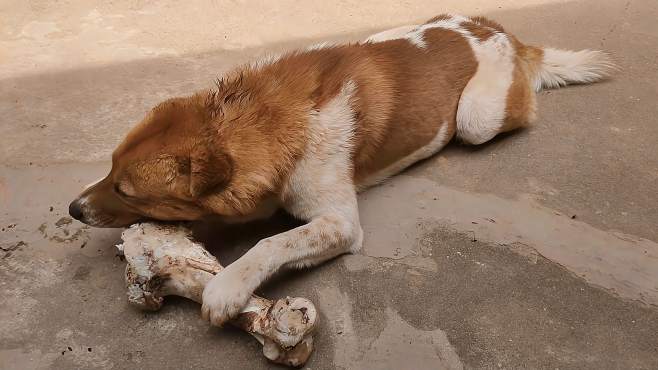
{"points": [[520, 106], [440, 17], [480, 32], [427, 84], [521, 98], [487, 23]]}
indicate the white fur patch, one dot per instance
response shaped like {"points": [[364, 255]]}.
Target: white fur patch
{"points": [[440, 140], [482, 105], [327, 163], [416, 36], [415, 33]]}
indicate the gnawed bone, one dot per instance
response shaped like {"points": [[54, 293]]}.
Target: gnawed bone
{"points": [[164, 260]]}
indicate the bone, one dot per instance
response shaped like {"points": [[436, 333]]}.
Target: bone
{"points": [[164, 260]]}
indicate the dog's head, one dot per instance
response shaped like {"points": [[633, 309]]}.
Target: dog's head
{"points": [[166, 169]]}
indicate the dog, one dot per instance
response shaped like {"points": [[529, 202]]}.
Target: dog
{"points": [[305, 131]]}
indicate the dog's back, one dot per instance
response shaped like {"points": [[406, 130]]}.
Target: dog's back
{"points": [[419, 85]]}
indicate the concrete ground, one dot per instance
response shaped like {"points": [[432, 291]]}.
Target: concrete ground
{"points": [[537, 250]]}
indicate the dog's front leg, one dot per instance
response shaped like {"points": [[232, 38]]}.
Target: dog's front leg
{"points": [[325, 236], [319, 190]]}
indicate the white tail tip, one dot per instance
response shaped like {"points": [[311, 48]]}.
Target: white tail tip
{"points": [[562, 67]]}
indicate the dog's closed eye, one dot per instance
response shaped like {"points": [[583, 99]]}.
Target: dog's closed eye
{"points": [[122, 190]]}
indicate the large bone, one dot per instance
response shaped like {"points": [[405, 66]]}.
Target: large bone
{"points": [[164, 260]]}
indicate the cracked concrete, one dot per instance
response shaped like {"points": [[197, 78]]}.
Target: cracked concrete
{"points": [[537, 250]]}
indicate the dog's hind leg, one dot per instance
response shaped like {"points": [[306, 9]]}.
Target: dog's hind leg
{"points": [[501, 96], [482, 110]]}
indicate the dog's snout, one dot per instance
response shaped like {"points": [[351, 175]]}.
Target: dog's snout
{"points": [[75, 210]]}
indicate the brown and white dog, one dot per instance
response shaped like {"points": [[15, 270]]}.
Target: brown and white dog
{"points": [[307, 130]]}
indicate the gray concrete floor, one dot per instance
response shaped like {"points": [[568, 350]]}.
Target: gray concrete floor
{"points": [[537, 250]]}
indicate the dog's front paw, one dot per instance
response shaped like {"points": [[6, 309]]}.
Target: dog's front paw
{"points": [[223, 298]]}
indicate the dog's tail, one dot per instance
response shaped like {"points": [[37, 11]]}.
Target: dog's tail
{"points": [[556, 67]]}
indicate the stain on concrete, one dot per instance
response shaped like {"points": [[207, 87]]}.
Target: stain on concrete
{"points": [[500, 309], [22, 358], [63, 221], [337, 308], [82, 273], [9, 248], [625, 264], [401, 346], [68, 237]]}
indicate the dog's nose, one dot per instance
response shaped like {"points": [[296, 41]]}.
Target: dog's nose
{"points": [[75, 210]]}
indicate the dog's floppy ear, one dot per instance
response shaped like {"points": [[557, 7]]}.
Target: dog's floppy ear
{"points": [[209, 169]]}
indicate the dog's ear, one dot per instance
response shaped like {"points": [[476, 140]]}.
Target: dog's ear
{"points": [[209, 169]]}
